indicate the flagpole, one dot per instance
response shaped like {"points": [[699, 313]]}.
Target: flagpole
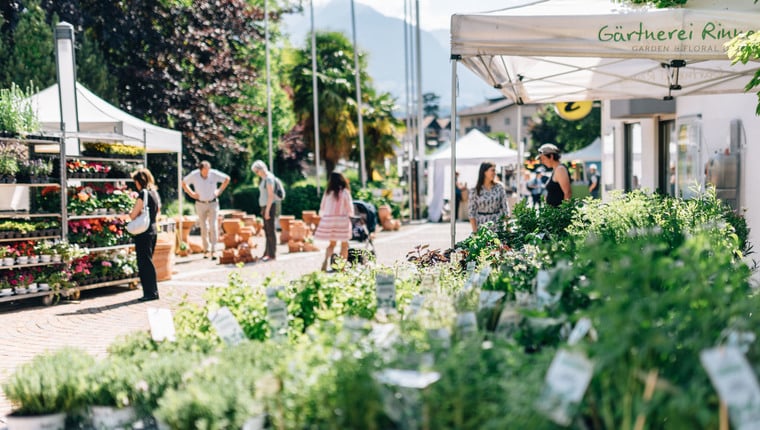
{"points": [[357, 76], [269, 86], [315, 97]]}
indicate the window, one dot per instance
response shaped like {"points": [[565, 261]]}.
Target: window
{"points": [[633, 156], [507, 121], [526, 121]]}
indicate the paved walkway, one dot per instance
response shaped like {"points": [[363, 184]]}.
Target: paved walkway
{"points": [[102, 315]]}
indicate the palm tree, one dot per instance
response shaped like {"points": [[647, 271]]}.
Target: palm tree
{"points": [[337, 104], [380, 129]]}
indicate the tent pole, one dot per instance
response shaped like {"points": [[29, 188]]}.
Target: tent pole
{"points": [[519, 167], [453, 126], [180, 195], [420, 130], [269, 87]]}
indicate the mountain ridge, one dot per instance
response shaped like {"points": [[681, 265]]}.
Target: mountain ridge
{"points": [[386, 54]]}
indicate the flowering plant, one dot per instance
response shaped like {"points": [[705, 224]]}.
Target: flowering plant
{"points": [[81, 269]]}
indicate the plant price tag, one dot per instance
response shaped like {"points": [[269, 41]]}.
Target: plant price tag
{"points": [[545, 298], [407, 378], [566, 382], [415, 305], [385, 285], [509, 322], [736, 384], [488, 299], [226, 326], [467, 324], [161, 324], [277, 311]]}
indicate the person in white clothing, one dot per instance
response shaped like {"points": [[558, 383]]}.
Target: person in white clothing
{"points": [[202, 184]]}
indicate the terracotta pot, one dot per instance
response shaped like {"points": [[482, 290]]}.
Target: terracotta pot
{"points": [[163, 260], [231, 226], [308, 216], [315, 222], [384, 213], [285, 227], [298, 230]]}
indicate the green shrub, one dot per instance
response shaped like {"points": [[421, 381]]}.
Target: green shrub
{"points": [[301, 197], [50, 383], [246, 198]]}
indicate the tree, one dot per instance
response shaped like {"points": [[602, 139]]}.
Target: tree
{"points": [[745, 48], [567, 135], [31, 56], [337, 96], [380, 130], [430, 102]]}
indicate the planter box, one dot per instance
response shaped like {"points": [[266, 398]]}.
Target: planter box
{"points": [[37, 422]]}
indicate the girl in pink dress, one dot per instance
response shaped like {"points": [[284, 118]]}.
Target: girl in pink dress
{"points": [[335, 211]]}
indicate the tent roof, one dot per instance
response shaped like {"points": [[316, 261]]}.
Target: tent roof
{"points": [[98, 116], [568, 50], [477, 147], [590, 152]]}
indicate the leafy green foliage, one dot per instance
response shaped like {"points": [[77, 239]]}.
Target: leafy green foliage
{"points": [[549, 127], [744, 48], [50, 383]]}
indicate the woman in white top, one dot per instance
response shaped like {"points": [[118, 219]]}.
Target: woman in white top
{"points": [[335, 213]]}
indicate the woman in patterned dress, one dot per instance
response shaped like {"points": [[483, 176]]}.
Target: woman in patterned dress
{"points": [[488, 200], [335, 216]]}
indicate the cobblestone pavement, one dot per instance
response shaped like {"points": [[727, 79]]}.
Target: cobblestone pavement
{"points": [[102, 315]]}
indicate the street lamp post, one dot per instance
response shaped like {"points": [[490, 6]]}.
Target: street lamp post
{"points": [[315, 96]]}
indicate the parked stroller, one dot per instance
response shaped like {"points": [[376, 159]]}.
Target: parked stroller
{"points": [[363, 224]]}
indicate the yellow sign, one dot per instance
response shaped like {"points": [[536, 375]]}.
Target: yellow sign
{"points": [[573, 111]]}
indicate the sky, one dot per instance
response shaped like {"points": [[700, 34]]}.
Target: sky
{"points": [[434, 14]]}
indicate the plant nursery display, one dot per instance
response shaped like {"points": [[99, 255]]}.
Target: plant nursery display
{"points": [[613, 316]]}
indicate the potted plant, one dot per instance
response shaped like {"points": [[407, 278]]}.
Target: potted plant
{"points": [[111, 389], [8, 168], [47, 388], [6, 289], [44, 249]]}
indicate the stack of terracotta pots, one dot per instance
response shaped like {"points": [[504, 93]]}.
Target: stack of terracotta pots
{"points": [[386, 218]]}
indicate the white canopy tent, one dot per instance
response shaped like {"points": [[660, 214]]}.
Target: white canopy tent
{"points": [[97, 116], [591, 152], [541, 51], [473, 149]]}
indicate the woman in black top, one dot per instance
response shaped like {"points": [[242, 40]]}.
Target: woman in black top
{"points": [[558, 187], [145, 243]]}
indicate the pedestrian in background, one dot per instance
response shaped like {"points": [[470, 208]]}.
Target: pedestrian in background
{"points": [[268, 204], [488, 200], [335, 213], [206, 191], [593, 181], [145, 243], [536, 187], [558, 186]]}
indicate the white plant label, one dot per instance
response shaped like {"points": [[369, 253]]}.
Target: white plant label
{"points": [[226, 326], [488, 299], [566, 382], [440, 336], [383, 335], [407, 378], [385, 285], [415, 305], [161, 324], [736, 384], [509, 322], [471, 266], [545, 298], [581, 329], [467, 324], [484, 274], [277, 311]]}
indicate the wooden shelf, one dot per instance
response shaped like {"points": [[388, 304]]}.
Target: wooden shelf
{"points": [[22, 215], [91, 216], [21, 266], [85, 158], [21, 239]]}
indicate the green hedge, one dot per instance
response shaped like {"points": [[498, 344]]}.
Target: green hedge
{"points": [[298, 198]]}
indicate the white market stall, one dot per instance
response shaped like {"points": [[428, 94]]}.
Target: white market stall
{"points": [[473, 149], [572, 50]]}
